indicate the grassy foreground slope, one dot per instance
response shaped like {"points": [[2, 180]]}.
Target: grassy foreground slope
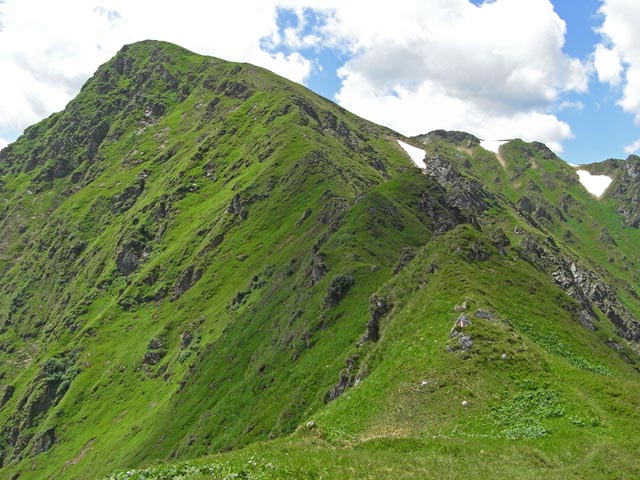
{"points": [[201, 257]]}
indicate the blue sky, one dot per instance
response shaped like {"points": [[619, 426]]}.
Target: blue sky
{"points": [[601, 128], [565, 72]]}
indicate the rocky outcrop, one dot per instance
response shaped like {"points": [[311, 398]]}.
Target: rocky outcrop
{"points": [[444, 217], [156, 351], [187, 279], [242, 201], [96, 137], [129, 256], [317, 268], [41, 395], [348, 378], [542, 211], [408, 254], [378, 308], [581, 283], [7, 392], [462, 192], [127, 198], [236, 207], [43, 441], [626, 191]]}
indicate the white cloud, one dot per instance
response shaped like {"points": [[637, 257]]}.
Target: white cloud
{"points": [[48, 49], [3, 143], [607, 64], [633, 147], [497, 70], [429, 107], [569, 105], [620, 32]]}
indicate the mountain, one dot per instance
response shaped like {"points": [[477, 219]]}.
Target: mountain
{"points": [[203, 262]]}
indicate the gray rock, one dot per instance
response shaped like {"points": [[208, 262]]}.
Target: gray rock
{"points": [[347, 378], [462, 192], [462, 321], [484, 314], [408, 254], [378, 307], [7, 393], [303, 217], [128, 257], [465, 342], [318, 268], [460, 308], [615, 345], [186, 338], [44, 441], [581, 283], [187, 279]]}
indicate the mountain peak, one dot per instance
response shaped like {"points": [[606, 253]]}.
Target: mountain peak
{"points": [[456, 137]]}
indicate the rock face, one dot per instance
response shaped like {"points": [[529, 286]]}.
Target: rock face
{"points": [[188, 278], [156, 350], [318, 269], [407, 255], [583, 284], [128, 257], [7, 393], [626, 191], [44, 393], [127, 198], [348, 378], [464, 193], [459, 338], [378, 308]]}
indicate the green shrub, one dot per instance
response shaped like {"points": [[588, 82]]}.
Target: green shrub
{"points": [[338, 289]]}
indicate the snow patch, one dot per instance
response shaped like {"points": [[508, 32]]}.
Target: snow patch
{"points": [[416, 154], [492, 145], [595, 184]]}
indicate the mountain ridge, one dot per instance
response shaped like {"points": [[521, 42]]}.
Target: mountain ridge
{"points": [[201, 256]]}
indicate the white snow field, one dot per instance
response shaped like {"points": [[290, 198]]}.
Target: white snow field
{"points": [[595, 184], [416, 154]]}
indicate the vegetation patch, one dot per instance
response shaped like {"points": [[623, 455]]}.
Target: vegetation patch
{"points": [[552, 343], [522, 415]]}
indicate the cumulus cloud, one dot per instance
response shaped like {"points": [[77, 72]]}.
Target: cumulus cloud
{"points": [[606, 61], [633, 147], [621, 39], [497, 70], [48, 49], [430, 107]]}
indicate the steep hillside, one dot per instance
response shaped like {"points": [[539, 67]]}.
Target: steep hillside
{"points": [[200, 257]]}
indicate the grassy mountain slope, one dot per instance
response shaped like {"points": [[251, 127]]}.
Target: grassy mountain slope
{"points": [[201, 256]]}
